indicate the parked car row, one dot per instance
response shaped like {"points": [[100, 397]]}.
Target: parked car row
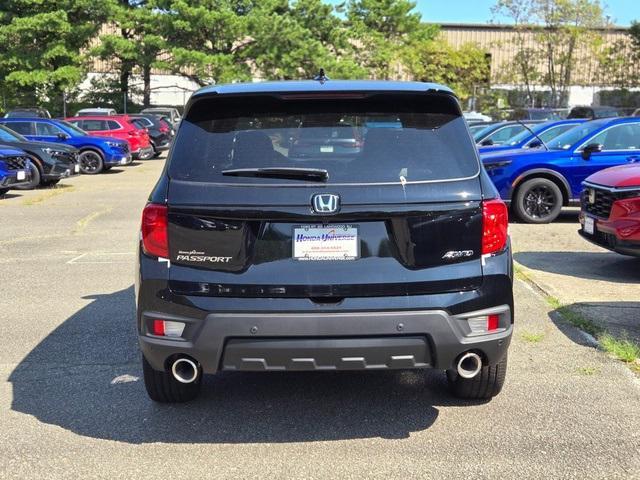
{"points": [[50, 150], [543, 168]]}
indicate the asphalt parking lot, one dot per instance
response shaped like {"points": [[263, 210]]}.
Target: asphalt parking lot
{"points": [[73, 405]]}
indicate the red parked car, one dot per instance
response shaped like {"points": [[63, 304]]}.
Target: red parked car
{"points": [[118, 126], [610, 212]]}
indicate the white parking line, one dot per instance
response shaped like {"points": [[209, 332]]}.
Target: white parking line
{"points": [[101, 258]]}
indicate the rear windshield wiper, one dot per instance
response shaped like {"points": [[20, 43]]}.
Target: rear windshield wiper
{"points": [[292, 173]]}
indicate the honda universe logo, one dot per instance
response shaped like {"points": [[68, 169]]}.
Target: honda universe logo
{"points": [[325, 203]]}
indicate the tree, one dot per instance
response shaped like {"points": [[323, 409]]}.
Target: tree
{"points": [[134, 44], [294, 40], [207, 39], [41, 43], [382, 30], [560, 34], [461, 69], [524, 66]]}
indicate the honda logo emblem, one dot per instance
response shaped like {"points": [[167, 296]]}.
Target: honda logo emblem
{"points": [[325, 203]]}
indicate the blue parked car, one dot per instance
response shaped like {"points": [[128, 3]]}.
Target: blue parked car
{"points": [[14, 169], [96, 154], [501, 132], [546, 132], [539, 182]]}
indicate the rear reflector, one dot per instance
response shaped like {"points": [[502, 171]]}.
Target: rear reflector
{"points": [[158, 327], [167, 328], [484, 323], [495, 222], [154, 230]]}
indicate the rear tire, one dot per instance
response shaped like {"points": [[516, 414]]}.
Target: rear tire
{"points": [[485, 385], [538, 200], [163, 388]]}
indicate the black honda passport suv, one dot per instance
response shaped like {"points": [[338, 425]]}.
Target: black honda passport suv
{"points": [[385, 250]]}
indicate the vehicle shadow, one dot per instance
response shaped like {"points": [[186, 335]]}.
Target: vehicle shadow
{"points": [[112, 171], [85, 377], [607, 266], [621, 319]]}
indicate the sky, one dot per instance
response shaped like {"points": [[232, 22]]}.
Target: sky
{"points": [[622, 12]]}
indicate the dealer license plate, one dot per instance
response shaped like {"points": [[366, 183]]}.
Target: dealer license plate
{"points": [[325, 242], [589, 225]]}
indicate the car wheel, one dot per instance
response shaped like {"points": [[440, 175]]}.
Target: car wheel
{"points": [[485, 385], [538, 200], [162, 387], [91, 162], [35, 177]]}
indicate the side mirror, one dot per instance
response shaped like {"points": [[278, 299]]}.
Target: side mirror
{"points": [[535, 144], [486, 143], [590, 149], [62, 136]]}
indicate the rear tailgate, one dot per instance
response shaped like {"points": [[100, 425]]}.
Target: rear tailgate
{"points": [[399, 229]]}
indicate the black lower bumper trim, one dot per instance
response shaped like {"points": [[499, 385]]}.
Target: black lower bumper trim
{"points": [[310, 354]]}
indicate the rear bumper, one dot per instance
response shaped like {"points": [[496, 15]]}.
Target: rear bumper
{"points": [[142, 151], [409, 331], [327, 341]]}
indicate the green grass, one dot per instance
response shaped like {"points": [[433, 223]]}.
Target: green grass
{"points": [[532, 337], [621, 348]]}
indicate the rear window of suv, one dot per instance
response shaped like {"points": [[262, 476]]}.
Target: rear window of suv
{"points": [[426, 141]]}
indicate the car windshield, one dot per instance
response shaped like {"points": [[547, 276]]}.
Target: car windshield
{"points": [[575, 135], [427, 142], [74, 129], [9, 135]]}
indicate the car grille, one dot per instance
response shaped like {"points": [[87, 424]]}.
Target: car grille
{"points": [[603, 200], [602, 206], [125, 147], [16, 163]]}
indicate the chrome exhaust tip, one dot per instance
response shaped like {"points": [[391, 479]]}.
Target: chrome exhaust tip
{"points": [[469, 365], [185, 370]]}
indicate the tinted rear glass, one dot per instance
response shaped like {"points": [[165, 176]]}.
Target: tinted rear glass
{"points": [[426, 141]]}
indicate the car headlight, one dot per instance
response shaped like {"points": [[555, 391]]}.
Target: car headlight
{"points": [[115, 144], [53, 152]]}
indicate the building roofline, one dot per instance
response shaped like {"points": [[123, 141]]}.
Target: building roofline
{"points": [[510, 26]]}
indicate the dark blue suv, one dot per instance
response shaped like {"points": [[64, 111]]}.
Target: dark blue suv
{"points": [[96, 154], [538, 182]]}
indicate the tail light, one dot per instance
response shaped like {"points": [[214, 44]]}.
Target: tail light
{"points": [[154, 230], [495, 222]]}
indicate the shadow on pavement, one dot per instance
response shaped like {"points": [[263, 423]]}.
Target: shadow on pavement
{"points": [[621, 319], [607, 266], [84, 377]]}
